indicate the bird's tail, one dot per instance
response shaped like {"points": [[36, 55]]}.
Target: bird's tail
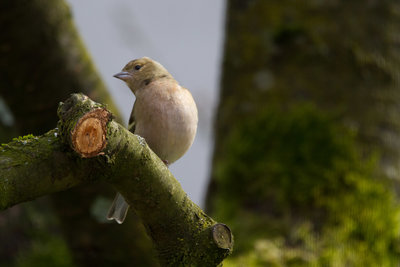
{"points": [[118, 209]]}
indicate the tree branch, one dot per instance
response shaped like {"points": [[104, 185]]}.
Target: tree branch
{"points": [[89, 146]]}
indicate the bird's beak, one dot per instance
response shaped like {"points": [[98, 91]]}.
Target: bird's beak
{"points": [[123, 75]]}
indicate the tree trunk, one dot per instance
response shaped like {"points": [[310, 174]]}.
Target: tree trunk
{"points": [[43, 61], [307, 133]]}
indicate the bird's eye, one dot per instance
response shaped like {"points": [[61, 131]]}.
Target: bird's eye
{"points": [[137, 67]]}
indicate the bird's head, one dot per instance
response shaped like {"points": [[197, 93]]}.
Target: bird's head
{"points": [[140, 72]]}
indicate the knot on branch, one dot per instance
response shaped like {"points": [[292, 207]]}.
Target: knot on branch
{"points": [[222, 236], [85, 123], [89, 135]]}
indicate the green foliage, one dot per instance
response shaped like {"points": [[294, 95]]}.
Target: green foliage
{"points": [[304, 194]]}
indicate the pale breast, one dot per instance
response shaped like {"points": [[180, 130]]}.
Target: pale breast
{"points": [[166, 117]]}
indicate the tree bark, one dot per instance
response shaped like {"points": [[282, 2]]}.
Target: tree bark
{"points": [[103, 150]]}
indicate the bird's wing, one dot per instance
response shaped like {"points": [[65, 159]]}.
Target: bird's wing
{"points": [[132, 122]]}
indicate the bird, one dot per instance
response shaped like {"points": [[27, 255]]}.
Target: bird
{"points": [[164, 114]]}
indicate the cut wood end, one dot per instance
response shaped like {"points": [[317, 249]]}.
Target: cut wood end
{"points": [[222, 236], [89, 134]]}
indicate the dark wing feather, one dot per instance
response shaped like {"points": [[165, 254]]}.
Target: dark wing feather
{"points": [[132, 123]]}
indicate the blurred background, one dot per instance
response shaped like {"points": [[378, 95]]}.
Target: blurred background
{"points": [[298, 149]]}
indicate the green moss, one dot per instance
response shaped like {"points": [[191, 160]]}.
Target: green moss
{"points": [[301, 186], [19, 139], [25, 137]]}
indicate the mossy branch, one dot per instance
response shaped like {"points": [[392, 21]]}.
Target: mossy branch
{"points": [[89, 146]]}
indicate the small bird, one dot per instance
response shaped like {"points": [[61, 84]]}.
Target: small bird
{"points": [[164, 114]]}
